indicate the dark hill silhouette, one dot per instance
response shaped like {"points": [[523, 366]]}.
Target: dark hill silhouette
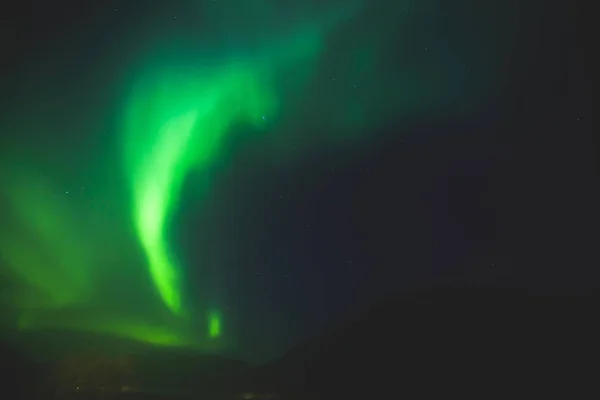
{"points": [[192, 372], [451, 341]]}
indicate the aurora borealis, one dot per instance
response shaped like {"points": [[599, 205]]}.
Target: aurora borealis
{"points": [[110, 153], [174, 119]]}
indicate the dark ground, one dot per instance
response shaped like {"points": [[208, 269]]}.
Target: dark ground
{"points": [[480, 342]]}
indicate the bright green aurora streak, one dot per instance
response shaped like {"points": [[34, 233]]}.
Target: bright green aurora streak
{"points": [[173, 125], [177, 119], [214, 324]]}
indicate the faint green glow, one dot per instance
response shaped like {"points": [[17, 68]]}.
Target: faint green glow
{"points": [[36, 246], [214, 324], [118, 327]]}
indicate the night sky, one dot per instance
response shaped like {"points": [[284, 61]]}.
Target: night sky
{"points": [[234, 176]]}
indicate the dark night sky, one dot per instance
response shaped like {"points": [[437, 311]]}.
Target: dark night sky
{"points": [[478, 170]]}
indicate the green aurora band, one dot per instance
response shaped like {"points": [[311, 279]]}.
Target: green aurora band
{"points": [[178, 125], [178, 118]]}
